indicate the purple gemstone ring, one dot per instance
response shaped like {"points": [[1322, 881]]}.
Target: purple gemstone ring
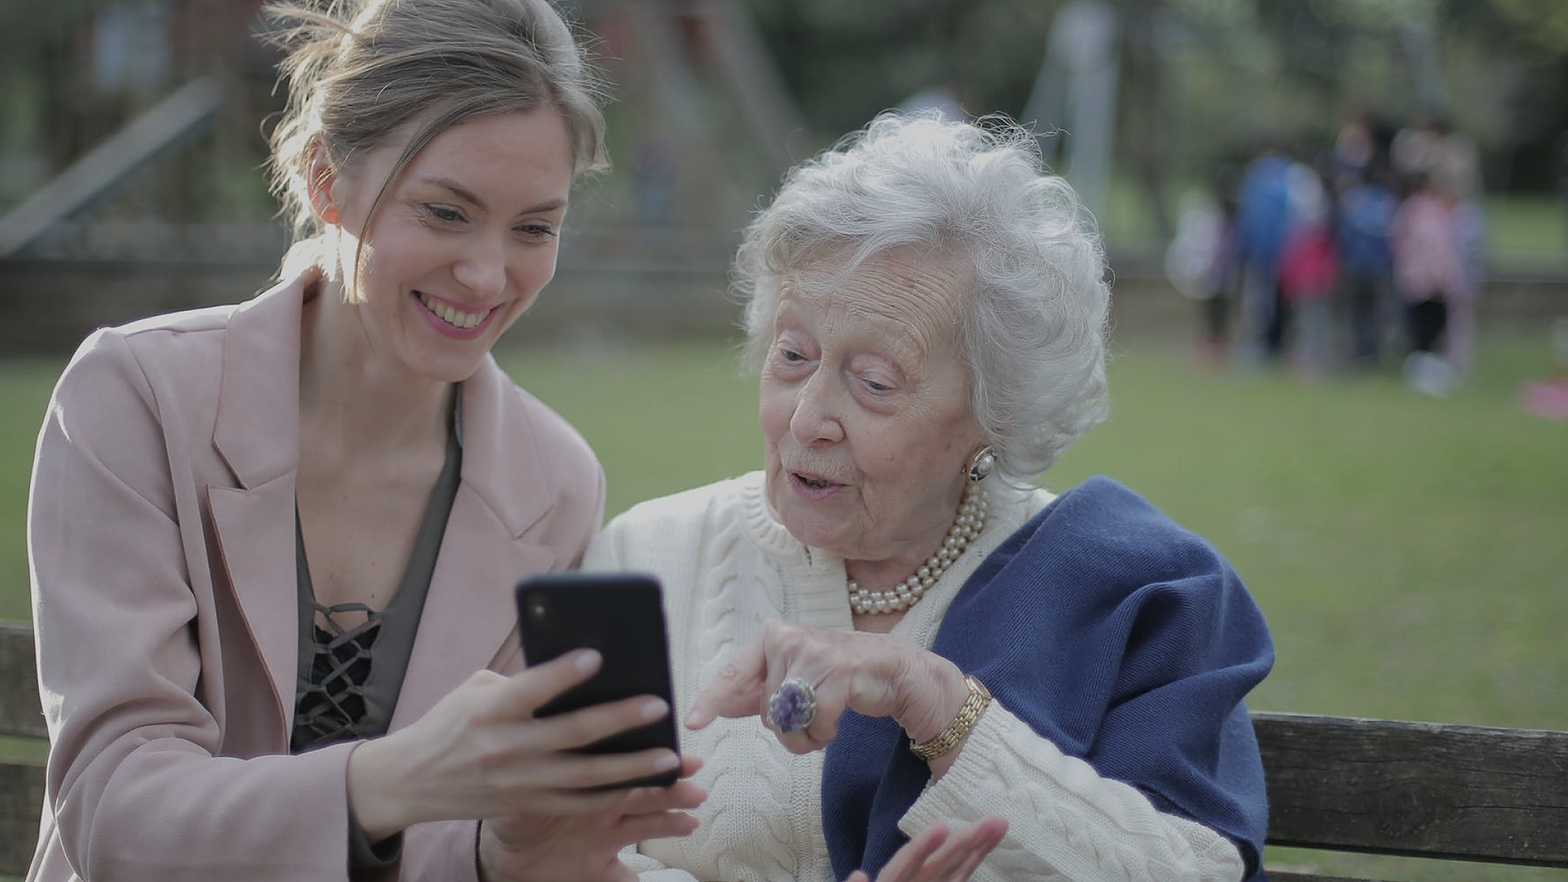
{"points": [[792, 706]]}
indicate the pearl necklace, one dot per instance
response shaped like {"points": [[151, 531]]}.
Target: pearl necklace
{"points": [[966, 526]]}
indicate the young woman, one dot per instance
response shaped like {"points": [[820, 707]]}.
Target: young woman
{"points": [[272, 544]]}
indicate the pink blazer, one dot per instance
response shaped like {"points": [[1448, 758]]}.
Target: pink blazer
{"points": [[161, 536]]}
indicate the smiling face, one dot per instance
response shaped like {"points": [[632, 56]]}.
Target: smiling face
{"points": [[461, 243], [865, 409]]}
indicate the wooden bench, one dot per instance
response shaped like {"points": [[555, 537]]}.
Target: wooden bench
{"points": [[1462, 793], [21, 785]]}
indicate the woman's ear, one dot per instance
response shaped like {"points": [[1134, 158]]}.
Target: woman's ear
{"points": [[321, 179]]}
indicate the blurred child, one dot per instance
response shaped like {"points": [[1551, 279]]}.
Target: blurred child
{"points": [[1308, 269], [1200, 263], [1431, 276], [1367, 205]]}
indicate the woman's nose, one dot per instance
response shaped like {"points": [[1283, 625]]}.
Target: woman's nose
{"points": [[482, 268], [816, 419]]}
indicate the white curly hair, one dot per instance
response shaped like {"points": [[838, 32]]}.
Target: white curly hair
{"points": [[1032, 329]]}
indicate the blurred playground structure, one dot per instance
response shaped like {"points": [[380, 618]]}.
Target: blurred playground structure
{"points": [[129, 152]]}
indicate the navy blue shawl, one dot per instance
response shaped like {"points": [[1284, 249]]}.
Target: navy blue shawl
{"points": [[1123, 638]]}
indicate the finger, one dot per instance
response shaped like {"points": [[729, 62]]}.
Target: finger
{"points": [[737, 691], [683, 794], [812, 738], [963, 852], [690, 765], [615, 771], [829, 701], [908, 860], [529, 689], [988, 833], [579, 728], [680, 796], [658, 825]]}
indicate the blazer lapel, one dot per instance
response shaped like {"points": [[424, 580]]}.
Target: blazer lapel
{"points": [[470, 615], [255, 531], [257, 434], [469, 611]]}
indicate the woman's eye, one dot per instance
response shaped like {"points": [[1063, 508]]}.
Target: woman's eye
{"points": [[444, 213], [537, 230], [874, 386], [791, 356]]}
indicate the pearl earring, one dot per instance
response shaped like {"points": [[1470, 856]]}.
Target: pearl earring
{"points": [[981, 464]]}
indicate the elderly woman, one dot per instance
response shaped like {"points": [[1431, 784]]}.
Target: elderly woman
{"points": [[930, 638], [271, 542]]}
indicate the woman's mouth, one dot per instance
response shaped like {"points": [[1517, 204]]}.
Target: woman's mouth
{"points": [[457, 318], [813, 487]]}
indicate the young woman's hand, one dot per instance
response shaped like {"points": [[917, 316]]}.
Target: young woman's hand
{"points": [[481, 753], [939, 856], [528, 847]]}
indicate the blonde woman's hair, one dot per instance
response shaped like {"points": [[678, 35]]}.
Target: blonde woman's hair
{"points": [[358, 71]]}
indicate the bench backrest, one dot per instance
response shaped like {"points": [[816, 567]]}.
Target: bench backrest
{"points": [[21, 784], [1335, 783], [1426, 790]]}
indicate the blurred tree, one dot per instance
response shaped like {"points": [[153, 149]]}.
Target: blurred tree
{"points": [[1202, 76], [847, 61], [33, 40], [72, 72]]}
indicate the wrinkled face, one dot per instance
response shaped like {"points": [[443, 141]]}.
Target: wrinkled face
{"points": [[865, 408], [461, 243]]}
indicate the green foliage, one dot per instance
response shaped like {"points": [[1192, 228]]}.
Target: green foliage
{"points": [[1542, 22], [1202, 78], [847, 61], [25, 25]]}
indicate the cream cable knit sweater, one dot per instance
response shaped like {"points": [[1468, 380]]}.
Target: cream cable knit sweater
{"points": [[725, 562]]}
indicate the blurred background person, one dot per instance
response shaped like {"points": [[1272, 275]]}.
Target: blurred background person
{"points": [[1262, 225], [1430, 274], [1363, 223], [1432, 154], [1308, 270], [1201, 264]]}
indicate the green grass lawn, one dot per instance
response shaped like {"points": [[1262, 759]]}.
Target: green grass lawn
{"points": [[1527, 233], [1410, 554]]}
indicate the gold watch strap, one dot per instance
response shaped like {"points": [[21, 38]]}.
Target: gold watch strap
{"points": [[968, 715]]}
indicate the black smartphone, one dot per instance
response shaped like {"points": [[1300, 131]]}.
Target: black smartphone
{"points": [[622, 616]]}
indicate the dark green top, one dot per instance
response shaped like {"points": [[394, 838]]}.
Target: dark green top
{"points": [[349, 678]]}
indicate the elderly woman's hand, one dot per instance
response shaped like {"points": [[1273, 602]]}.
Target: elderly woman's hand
{"points": [[936, 856], [877, 675]]}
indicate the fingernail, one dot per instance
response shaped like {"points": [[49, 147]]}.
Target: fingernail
{"points": [[587, 660], [693, 719], [654, 709], [667, 762]]}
